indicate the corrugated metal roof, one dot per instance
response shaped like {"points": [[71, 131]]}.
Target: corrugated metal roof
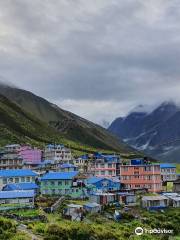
{"points": [[154, 198], [91, 204], [74, 206], [59, 175], [167, 165], [94, 180], [67, 165], [17, 173], [20, 186], [16, 194]]}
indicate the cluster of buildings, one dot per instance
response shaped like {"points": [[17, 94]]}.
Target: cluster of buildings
{"points": [[26, 172], [16, 156]]}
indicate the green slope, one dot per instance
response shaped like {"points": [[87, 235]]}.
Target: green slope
{"points": [[19, 126], [65, 124]]}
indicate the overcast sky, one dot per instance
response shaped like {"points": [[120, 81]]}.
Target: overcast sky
{"points": [[96, 58]]}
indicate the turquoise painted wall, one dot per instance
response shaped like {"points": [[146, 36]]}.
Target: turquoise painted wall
{"points": [[60, 187]]}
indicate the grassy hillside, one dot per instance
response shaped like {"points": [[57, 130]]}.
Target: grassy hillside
{"points": [[19, 126], [63, 125]]}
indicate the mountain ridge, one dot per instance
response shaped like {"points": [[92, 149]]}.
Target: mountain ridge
{"points": [[64, 124], [156, 133]]}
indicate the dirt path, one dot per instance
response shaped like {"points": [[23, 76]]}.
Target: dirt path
{"points": [[23, 228]]}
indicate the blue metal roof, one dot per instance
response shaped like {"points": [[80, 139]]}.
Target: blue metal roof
{"points": [[59, 175], [93, 180], [16, 194], [137, 162], [167, 165], [84, 157], [67, 165], [54, 145], [20, 186], [17, 173]]}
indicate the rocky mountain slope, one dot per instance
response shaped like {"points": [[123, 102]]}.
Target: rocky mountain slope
{"points": [[157, 133]]}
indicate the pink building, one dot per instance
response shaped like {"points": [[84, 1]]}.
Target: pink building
{"points": [[30, 155], [141, 176]]}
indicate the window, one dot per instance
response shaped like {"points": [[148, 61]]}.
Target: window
{"points": [[59, 183], [16, 180], [4, 180], [10, 179], [52, 183], [104, 183], [149, 177], [28, 179], [137, 176], [147, 168], [66, 182], [125, 169]]}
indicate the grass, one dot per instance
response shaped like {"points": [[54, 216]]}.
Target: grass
{"points": [[18, 126], [150, 194], [78, 202], [178, 168], [26, 213], [169, 186], [105, 229]]}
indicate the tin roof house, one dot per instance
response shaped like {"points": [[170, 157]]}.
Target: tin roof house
{"points": [[174, 199], [16, 199], [126, 198], [73, 212], [155, 202], [16, 176], [92, 207], [21, 186]]}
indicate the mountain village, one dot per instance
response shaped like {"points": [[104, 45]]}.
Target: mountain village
{"points": [[97, 180]]}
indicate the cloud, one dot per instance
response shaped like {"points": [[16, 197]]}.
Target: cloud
{"points": [[97, 58]]}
